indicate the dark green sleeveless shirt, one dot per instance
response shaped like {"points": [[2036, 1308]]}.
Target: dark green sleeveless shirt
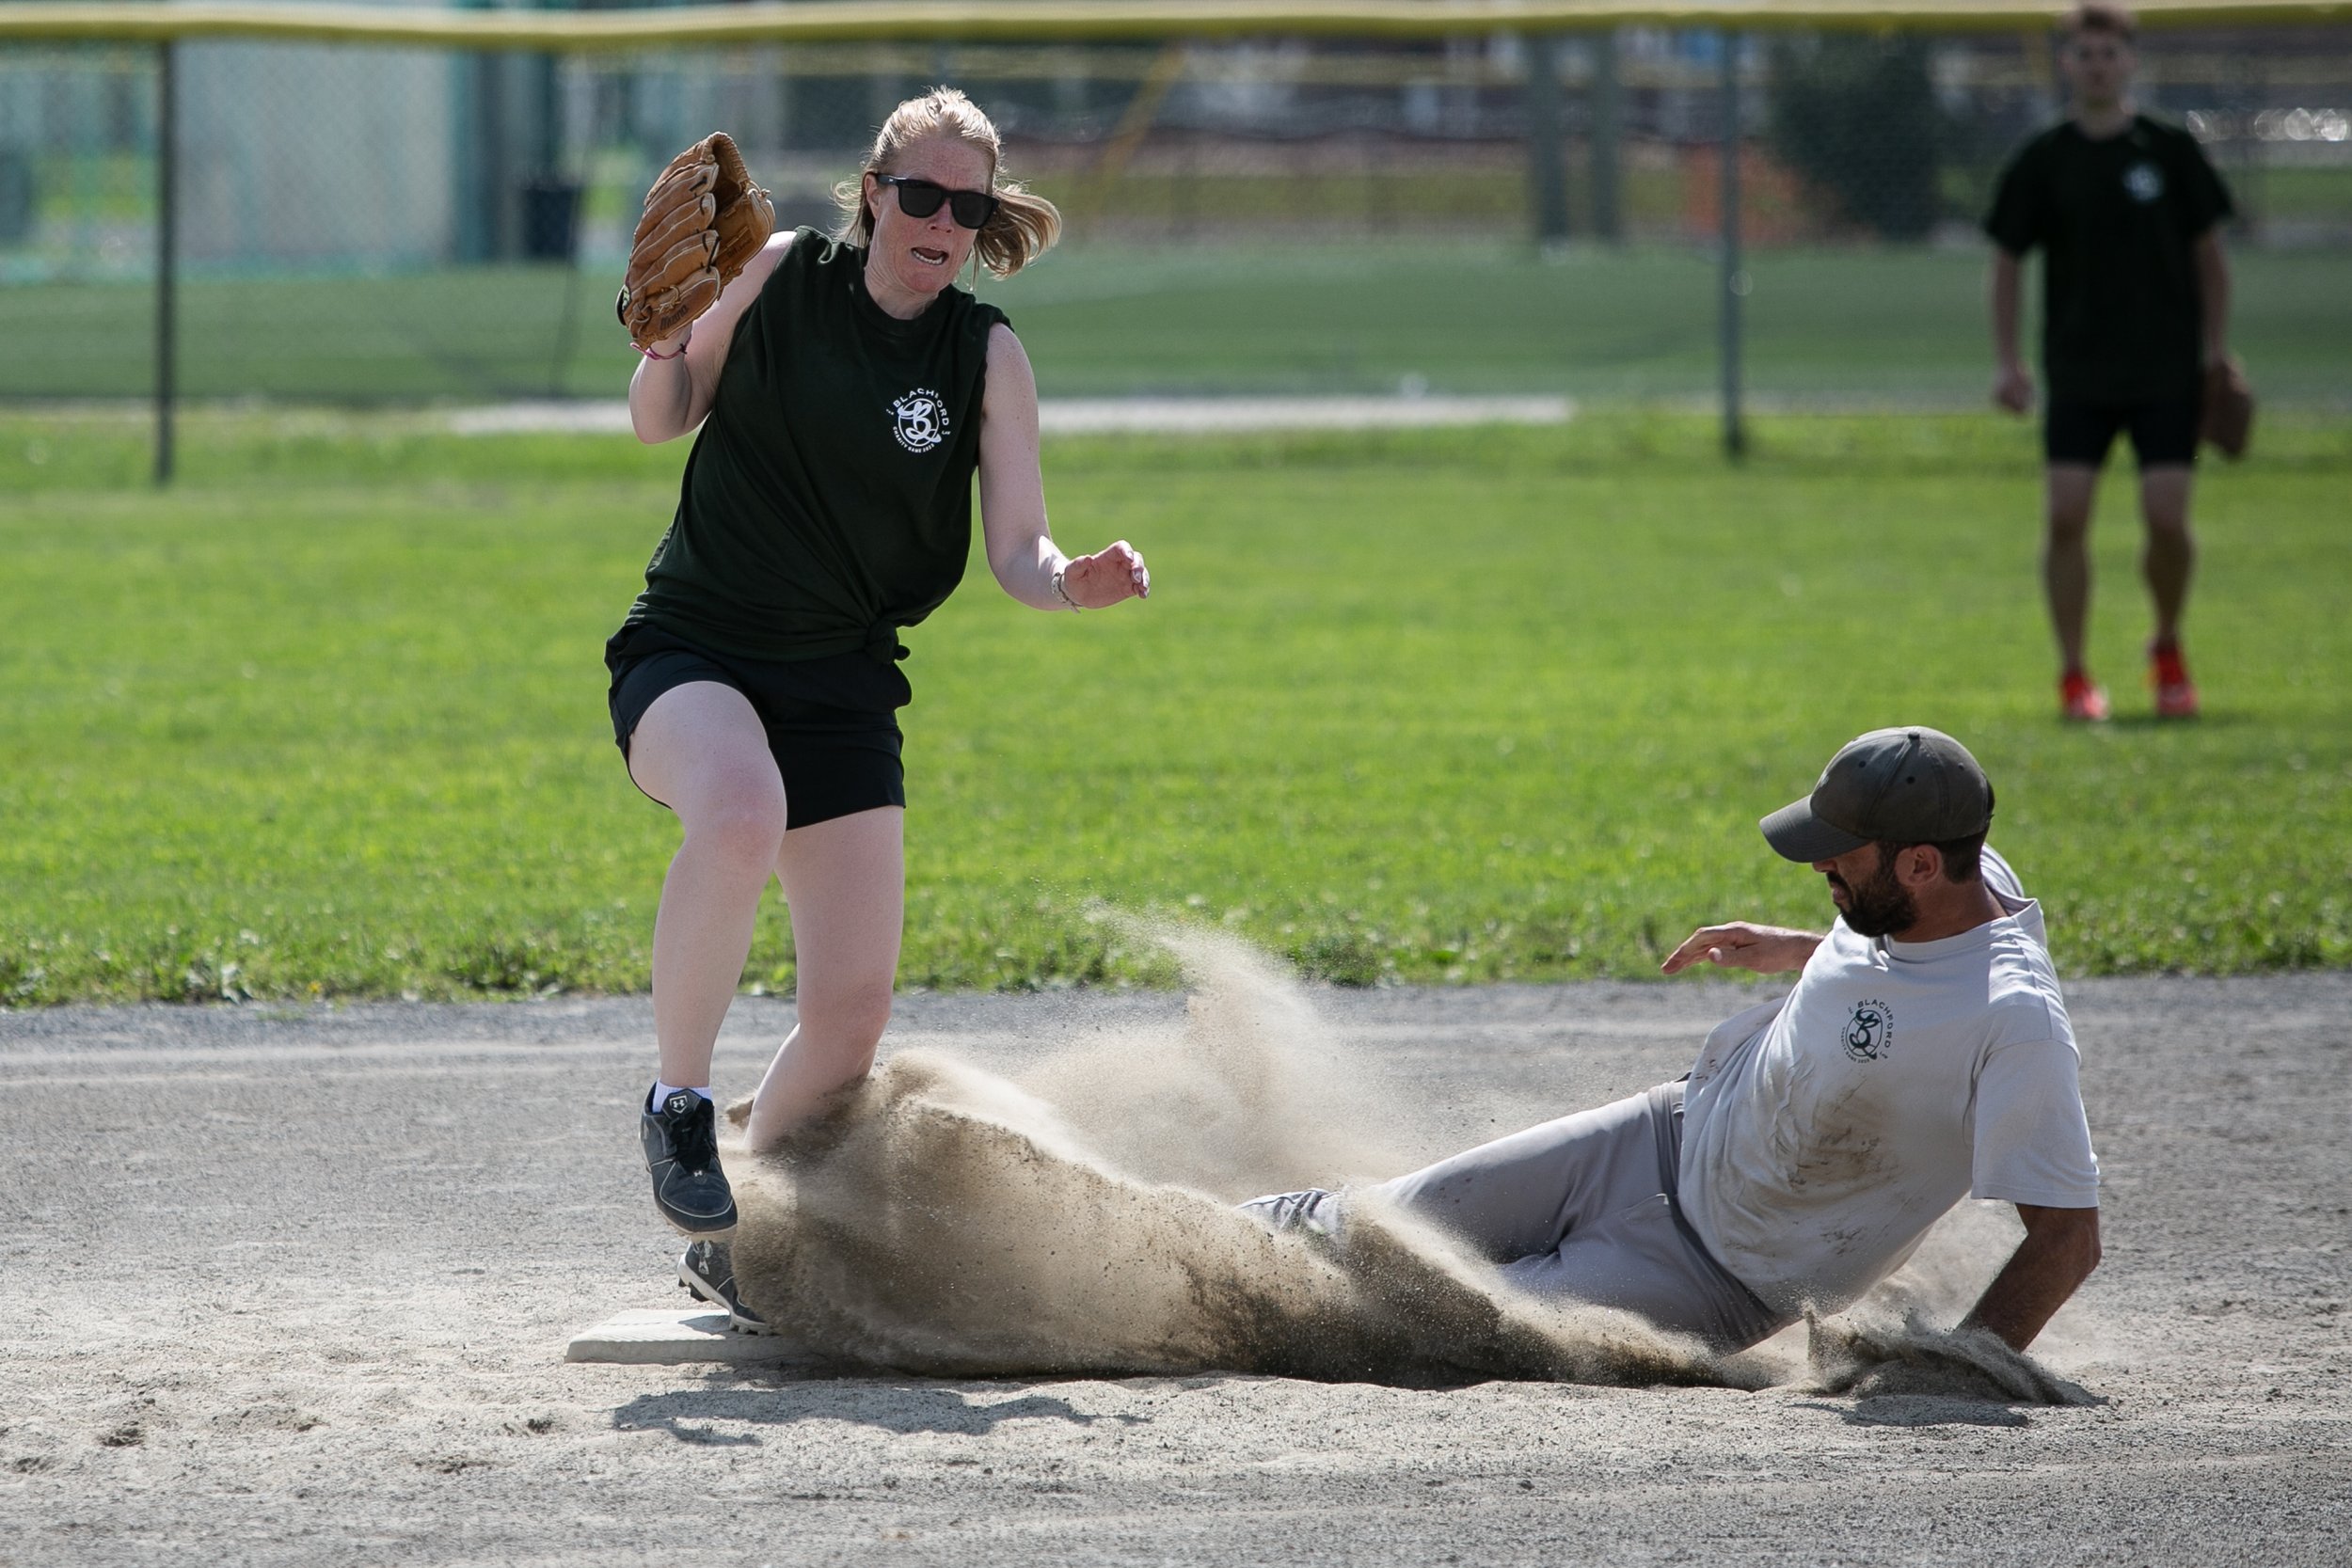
{"points": [[828, 500]]}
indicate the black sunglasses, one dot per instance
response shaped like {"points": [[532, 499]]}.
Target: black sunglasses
{"points": [[920, 198]]}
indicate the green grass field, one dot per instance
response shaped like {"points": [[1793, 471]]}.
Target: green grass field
{"points": [[328, 719], [1853, 326]]}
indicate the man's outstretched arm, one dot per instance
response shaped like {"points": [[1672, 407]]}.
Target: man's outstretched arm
{"points": [[1766, 949], [2061, 1249]]}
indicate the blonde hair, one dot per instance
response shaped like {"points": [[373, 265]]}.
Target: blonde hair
{"points": [[1024, 226]]}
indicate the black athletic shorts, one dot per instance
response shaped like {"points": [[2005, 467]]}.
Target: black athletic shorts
{"points": [[831, 722], [2162, 432]]}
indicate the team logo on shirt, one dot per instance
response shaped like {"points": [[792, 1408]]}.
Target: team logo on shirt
{"points": [[2145, 181], [919, 419], [1870, 1031]]}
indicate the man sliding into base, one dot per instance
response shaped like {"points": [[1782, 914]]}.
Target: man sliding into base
{"points": [[1925, 1054]]}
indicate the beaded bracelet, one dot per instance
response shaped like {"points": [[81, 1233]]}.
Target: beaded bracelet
{"points": [[1063, 594]]}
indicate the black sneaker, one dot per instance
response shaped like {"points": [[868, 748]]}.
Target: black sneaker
{"points": [[708, 1270], [682, 1152]]}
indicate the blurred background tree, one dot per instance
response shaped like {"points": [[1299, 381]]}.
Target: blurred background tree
{"points": [[1856, 118]]}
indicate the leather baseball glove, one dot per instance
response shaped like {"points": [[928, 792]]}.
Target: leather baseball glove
{"points": [[703, 221], [2228, 421]]}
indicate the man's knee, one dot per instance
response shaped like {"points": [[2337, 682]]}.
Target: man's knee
{"points": [[2164, 493], [2069, 491], [2067, 523]]}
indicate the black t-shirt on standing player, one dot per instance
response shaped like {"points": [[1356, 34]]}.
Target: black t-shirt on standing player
{"points": [[828, 501], [2115, 217]]}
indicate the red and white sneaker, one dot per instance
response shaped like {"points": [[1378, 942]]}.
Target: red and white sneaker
{"points": [[2176, 694], [2080, 702]]}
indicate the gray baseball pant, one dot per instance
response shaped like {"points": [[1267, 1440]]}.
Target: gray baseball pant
{"points": [[1583, 1210]]}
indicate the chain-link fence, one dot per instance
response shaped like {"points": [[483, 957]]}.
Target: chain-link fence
{"points": [[365, 223]]}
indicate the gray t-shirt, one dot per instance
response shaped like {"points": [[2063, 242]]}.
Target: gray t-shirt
{"points": [[1825, 1132]]}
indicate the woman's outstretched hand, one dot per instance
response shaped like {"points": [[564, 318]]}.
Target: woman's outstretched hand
{"points": [[1099, 580]]}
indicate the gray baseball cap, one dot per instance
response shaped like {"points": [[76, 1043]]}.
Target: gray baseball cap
{"points": [[1907, 785]]}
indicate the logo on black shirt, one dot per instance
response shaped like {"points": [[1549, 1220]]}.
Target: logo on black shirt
{"points": [[919, 419], [1870, 1031], [2145, 181]]}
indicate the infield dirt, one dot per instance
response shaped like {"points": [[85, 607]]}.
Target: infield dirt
{"points": [[293, 1286]]}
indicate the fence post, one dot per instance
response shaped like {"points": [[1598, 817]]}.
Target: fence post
{"points": [[1735, 277], [167, 253], [1608, 114], [1547, 168]]}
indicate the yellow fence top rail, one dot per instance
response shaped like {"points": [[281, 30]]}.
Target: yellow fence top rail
{"points": [[1034, 21]]}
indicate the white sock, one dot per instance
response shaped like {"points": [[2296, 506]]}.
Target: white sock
{"points": [[662, 1091]]}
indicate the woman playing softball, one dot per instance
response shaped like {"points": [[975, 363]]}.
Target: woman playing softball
{"points": [[846, 392]]}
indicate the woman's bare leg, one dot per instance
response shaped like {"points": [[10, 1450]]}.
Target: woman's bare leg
{"points": [[846, 881], [701, 751]]}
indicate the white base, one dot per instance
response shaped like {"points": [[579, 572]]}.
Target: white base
{"points": [[668, 1339]]}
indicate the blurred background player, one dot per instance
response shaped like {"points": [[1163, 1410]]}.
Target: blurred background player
{"points": [[846, 392], [2136, 293]]}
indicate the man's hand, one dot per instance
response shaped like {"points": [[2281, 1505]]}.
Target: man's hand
{"points": [[1766, 949], [2227, 419], [2013, 389]]}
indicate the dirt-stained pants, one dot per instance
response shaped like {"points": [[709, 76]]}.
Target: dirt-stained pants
{"points": [[1583, 1208]]}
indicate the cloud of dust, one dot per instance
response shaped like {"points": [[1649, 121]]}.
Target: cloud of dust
{"points": [[1953, 1263], [949, 1221], [1252, 1094], [1864, 1356], [1885, 1344]]}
